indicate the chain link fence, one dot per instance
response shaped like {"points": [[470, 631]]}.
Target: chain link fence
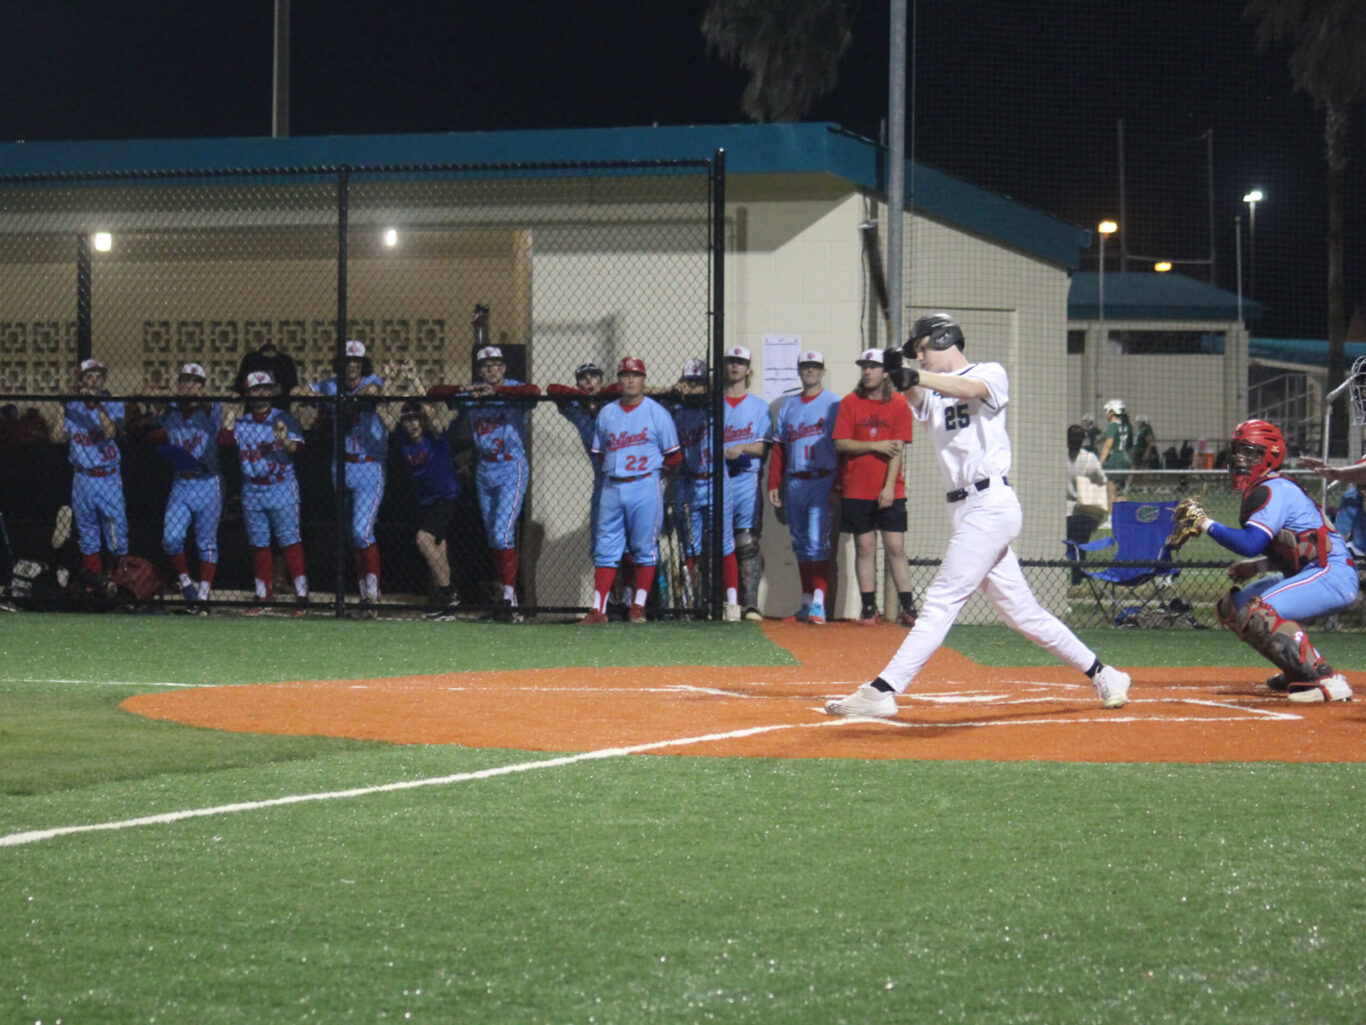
{"points": [[229, 274]]}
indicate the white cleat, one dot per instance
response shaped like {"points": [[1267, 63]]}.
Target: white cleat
{"points": [[1112, 687], [1330, 688], [865, 703]]}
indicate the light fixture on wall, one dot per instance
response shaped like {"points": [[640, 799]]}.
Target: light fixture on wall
{"points": [[391, 237], [1162, 266], [103, 241]]}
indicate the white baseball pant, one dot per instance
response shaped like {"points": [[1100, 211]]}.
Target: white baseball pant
{"points": [[979, 555]]}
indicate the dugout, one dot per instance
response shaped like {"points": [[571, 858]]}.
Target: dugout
{"points": [[583, 248]]}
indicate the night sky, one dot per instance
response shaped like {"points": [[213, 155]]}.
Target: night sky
{"points": [[1021, 97]]}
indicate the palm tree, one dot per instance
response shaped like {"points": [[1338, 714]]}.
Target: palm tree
{"points": [[1328, 62], [791, 49]]}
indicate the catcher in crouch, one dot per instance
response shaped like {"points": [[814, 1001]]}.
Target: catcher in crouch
{"points": [[1295, 566]]}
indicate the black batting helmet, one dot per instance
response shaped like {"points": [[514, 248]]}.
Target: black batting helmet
{"points": [[942, 330]]}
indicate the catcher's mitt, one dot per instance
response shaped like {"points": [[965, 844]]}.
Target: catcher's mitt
{"points": [[1186, 520]]}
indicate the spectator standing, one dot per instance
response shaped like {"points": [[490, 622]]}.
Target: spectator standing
{"points": [[1118, 440], [748, 433], [872, 431], [1143, 456], [426, 450], [1092, 439], [1080, 463], [800, 476]]}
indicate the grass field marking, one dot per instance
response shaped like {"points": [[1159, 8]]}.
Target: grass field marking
{"points": [[165, 818], [107, 683], [1268, 713]]}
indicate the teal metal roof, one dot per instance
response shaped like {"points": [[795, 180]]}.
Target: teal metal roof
{"points": [[815, 148], [1304, 351], [1147, 295]]}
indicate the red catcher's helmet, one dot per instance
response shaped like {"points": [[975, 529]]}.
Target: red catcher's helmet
{"points": [[1256, 450]]}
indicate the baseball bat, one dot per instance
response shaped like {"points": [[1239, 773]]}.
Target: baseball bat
{"points": [[872, 252]]}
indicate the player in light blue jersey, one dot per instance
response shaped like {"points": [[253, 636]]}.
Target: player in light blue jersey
{"points": [[92, 424], [634, 441], [187, 439], [803, 466], [366, 445], [748, 433], [1294, 566], [268, 439]]}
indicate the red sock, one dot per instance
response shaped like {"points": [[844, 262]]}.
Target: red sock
{"points": [[358, 562], [603, 579], [263, 568], [506, 559], [820, 573], [692, 565], [645, 576], [804, 570], [178, 564], [294, 559], [206, 572], [730, 571], [91, 564], [370, 556]]}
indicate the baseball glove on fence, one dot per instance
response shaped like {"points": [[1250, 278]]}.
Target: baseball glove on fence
{"points": [[1186, 519]]}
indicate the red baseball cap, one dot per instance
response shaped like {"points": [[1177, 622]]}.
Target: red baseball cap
{"points": [[631, 365]]}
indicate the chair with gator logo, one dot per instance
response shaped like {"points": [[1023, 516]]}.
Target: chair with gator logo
{"points": [[1138, 586]]}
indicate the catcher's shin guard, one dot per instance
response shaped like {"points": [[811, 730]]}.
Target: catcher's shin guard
{"points": [[1282, 642], [751, 563]]}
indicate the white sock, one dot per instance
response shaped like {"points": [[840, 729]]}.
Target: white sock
{"points": [[818, 597], [510, 593], [301, 587], [640, 597], [599, 602], [732, 598], [185, 580]]}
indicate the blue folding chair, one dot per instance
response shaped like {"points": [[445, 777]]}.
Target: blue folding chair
{"points": [[1142, 573]]}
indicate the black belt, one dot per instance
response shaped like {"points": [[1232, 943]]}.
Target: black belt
{"points": [[97, 471], [810, 474], [193, 475], [980, 485], [266, 480], [627, 480]]}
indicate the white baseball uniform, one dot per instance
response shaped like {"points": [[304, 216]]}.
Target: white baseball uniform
{"points": [[973, 450]]}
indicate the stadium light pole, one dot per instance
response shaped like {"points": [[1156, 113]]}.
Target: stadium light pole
{"points": [[1252, 199], [1106, 229]]}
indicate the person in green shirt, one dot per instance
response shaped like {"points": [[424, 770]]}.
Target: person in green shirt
{"points": [[1116, 443]]}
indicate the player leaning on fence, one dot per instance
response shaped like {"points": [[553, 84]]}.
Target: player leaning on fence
{"points": [[964, 406], [1295, 566]]}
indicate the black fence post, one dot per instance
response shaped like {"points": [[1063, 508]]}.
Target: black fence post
{"points": [[84, 294], [338, 435], [716, 599]]}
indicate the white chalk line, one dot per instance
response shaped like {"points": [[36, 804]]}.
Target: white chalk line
{"points": [[37, 835]]}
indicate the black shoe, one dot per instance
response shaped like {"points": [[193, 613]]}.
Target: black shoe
{"points": [[503, 612], [364, 610]]}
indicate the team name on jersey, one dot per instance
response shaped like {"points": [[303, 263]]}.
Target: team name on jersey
{"points": [[739, 433], [795, 432], [85, 438], [626, 439]]}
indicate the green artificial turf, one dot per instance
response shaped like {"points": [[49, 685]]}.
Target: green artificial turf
{"points": [[636, 889]]}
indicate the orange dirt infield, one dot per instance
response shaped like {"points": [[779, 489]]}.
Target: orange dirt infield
{"points": [[956, 709]]}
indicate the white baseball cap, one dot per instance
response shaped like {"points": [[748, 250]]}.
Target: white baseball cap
{"points": [[694, 370], [93, 364], [487, 353], [738, 352], [257, 378], [355, 350], [871, 356], [811, 356], [193, 370]]}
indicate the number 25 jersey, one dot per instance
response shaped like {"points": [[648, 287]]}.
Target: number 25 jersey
{"points": [[969, 435]]}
